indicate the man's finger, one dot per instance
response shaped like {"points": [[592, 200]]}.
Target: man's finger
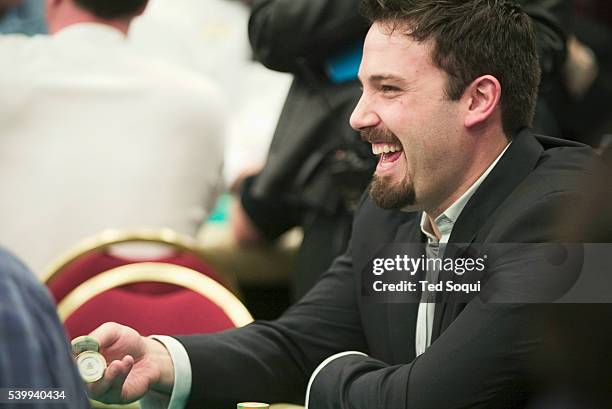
{"points": [[108, 389], [116, 393], [106, 334]]}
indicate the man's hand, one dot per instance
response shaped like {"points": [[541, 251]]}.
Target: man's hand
{"points": [[136, 365]]}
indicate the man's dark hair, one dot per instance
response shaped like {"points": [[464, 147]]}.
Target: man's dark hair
{"points": [[473, 38], [112, 9]]}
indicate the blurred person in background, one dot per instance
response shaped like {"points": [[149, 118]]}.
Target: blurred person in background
{"points": [[585, 110], [317, 166], [34, 351], [210, 37], [22, 17], [95, 135]]}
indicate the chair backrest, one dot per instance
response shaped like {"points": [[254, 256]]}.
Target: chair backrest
{"points": [[199, 304], [92, 256]]}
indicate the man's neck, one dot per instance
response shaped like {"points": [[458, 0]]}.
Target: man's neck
{"points": [[479, 165]]}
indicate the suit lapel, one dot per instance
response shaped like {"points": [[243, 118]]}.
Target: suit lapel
{"points": [[513, 167]]}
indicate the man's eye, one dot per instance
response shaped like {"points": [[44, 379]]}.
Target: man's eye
{"points": [[388, 88]]}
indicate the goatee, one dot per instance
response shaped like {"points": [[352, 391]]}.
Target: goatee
{"points": [[388, 195]]}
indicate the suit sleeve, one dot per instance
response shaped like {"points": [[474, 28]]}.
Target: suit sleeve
{"points": [[283, 32], [272, 361], [479, 361]]}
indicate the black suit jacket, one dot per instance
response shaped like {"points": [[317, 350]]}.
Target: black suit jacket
{"points": [[480, 352]]}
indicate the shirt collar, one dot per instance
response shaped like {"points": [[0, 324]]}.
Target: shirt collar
{"points": [[101, 32], [445, 221]]}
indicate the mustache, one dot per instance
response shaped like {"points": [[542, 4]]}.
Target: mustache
{"points": [[376, 135]]}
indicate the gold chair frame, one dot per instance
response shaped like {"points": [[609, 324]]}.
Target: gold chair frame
{"points": [[161, 273], [111, 237]]}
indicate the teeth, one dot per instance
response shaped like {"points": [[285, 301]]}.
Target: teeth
{"points": [[381, 148]]}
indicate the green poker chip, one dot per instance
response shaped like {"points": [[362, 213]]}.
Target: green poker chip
{"points": [[84, 343], [247, 405]]}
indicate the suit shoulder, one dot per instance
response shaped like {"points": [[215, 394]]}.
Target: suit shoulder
{"points": [[556, 199], [567, 169]]}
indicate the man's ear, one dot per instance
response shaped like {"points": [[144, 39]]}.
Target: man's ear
{"points": [[483, 96]]}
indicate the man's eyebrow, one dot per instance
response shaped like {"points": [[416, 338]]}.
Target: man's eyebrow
{"points": [[376, 78]]}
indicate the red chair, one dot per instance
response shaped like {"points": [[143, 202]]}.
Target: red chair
{"points": [[197, 303], [95, 255]]}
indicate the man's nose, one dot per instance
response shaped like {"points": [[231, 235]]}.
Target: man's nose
{"points": [[363, 116]]}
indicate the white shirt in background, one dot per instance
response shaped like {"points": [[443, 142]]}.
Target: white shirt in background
{"points": [[94, 135]]}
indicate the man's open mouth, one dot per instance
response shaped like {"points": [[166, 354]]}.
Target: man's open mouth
{"points": [[389, 152]]}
